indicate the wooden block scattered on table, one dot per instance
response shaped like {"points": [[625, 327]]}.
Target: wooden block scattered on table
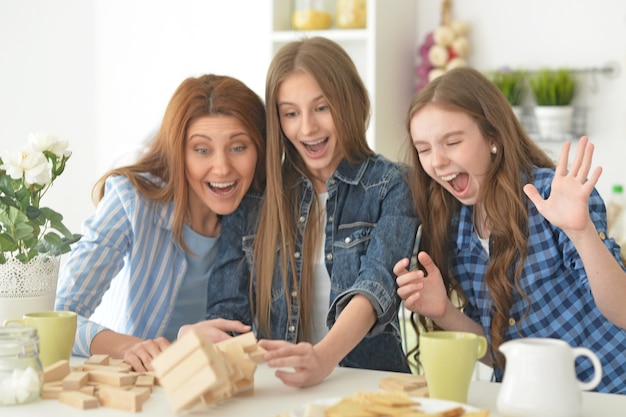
{"points": [[78, 399], [145, 380], [112, 378], [51, 390], [75, 381], [100, 359], [120, 399], [411, 384], [57, 371]]}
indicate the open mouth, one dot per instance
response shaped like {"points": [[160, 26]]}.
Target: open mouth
{"points": [[316, 146], [458, 181], [222, 188]]}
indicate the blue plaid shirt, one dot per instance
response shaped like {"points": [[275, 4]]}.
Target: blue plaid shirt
{"points": [[554, 279]]}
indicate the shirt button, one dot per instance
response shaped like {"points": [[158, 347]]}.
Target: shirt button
{"points": [[297, 255], [602, 236], [511, 321], [347, 240], [292, 328], [331, 218], [294, 294], [329, 256], [332, 181], [301, 219]]}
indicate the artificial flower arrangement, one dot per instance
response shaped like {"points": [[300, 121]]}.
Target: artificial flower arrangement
{"points": [[26, 229], [443, 49]]}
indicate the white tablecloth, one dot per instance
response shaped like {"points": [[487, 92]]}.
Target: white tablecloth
{"points": [[271, 398]]}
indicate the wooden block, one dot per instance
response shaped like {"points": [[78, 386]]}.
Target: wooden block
{"points": [[256, 356], [101, 359], [177, 351], [247, 341], [75, 380], [142, 392], [122, 368], [116, 362], [116, 379], [51, 390], [79, 400], [120, 399], [146, 381], [88, 389], [402, 382], [188, 394], [57, 371], [185, 369]]}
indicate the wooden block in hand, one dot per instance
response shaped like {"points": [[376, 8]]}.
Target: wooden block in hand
{"points": [[247, 341]]}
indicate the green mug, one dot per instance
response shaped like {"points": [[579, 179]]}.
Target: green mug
{"points": [[448, 360], [56, 331]]}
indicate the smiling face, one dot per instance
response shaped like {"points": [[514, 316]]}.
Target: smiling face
{"points": [[307, 122], [451, 150], [220, 160]]}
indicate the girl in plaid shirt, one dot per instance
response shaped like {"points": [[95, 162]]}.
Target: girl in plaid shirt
{"points": [[513, 246]]}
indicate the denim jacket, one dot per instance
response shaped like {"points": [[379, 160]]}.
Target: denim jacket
{"points": [[371, 224]]}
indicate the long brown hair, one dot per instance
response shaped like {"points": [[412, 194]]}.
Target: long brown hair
{"points": [[349, 103], [502, 197], [207, 95]]}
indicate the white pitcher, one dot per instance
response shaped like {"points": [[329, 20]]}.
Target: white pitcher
{"points": [[540, 378]]}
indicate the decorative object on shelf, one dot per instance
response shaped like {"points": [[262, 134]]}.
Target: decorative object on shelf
{"points": [[351, 14], [311, 15], [26, 229], [553, 91], [513, 84], [443, 49]]}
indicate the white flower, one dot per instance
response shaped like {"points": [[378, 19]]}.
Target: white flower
{"points": [[43, 142], [33, 165]]}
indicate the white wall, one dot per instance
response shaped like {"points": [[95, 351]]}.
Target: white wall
{"points": [[99, 73]]}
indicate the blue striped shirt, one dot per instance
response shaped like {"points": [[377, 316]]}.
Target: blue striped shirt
{"points": [[561, 304], [126, 270]]}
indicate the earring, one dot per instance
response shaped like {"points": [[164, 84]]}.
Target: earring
{"points": [[494, 150]]}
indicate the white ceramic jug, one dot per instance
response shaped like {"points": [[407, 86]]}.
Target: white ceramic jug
{"points": [[540, 378]]}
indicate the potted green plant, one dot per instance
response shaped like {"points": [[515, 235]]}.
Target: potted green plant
{"points": [[554, 91], [512, 84]]}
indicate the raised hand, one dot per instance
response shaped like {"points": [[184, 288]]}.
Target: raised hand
{"points": [[567, 206]]}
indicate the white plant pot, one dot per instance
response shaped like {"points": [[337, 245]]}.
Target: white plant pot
{"points": [[27, 288], [554, 122]]}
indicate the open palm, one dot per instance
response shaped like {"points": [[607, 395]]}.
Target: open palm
{"points": [[567, 205]]}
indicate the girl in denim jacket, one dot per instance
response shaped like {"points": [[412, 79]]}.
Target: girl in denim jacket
{"points": [[334, 219]]}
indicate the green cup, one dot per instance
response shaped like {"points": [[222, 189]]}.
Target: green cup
{"points": [[56, 330], [449, 359]]}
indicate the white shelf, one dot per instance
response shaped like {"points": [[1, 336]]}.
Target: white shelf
{"points": [[384, 53]]}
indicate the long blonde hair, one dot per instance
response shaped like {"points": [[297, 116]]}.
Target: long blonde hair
{"points": [[502, 197], [345, 92], [207, 95]]}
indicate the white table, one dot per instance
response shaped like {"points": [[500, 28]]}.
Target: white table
{"points": [[271, 398]]}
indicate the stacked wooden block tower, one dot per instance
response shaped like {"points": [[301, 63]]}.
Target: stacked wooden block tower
{"points": [[193, 371]]}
